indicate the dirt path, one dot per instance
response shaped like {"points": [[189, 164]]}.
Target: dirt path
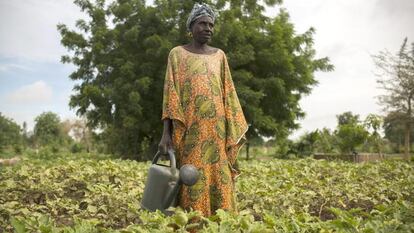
{"points": [[12, 161]]}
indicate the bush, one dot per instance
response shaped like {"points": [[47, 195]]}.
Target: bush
{"points": [[350, 136], [45, 152], [17, 149], [55, 148], [77, 148]]}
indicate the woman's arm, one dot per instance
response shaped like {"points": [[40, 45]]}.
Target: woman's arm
{"points": [[166, 141]]}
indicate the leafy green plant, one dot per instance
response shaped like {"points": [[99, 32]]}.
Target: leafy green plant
{"points": [[94, 193]]}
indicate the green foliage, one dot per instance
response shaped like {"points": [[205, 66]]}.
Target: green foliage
{"points": [[47, 129], [350, 133], [77, 148], [394, 127], [326, 142], [373, 122], [306, 144], [283, 148], [91, 193], [350, 136], [347, 118], [10, 135], [121, 65]]}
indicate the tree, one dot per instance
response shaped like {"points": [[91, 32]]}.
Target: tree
{"points": [[121, 66], [350, 133], [10, 133], [47, 129], [65, 128], [81, 133], [373, 122], [305, 145], [397, 79], [347, 118], [394, 127], [25, 135], [325, 142]]}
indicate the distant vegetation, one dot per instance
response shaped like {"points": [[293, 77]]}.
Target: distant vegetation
{"points": [[351, 135]]}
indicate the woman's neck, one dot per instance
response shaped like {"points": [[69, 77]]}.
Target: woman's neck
{"points": [[197, 47]]}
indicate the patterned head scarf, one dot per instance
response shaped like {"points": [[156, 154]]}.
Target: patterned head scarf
{"points": [[198, 11]]}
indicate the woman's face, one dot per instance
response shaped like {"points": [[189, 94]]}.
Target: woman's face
{"points": [[202, 29]]}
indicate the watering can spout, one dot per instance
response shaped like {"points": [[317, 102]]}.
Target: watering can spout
{"points": [[188, 176]]}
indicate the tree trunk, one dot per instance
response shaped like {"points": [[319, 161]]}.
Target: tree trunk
{"points": [[407, 142], [408, 132], [86, 139], [399, 143], [247, 151], [381, 155]]}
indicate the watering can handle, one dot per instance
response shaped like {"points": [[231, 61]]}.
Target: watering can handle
{"points": [[170, 155]]}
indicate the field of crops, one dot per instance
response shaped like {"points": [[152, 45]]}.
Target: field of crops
{"points": [[80, 194]]}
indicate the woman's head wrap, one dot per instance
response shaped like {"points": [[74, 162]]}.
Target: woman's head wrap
{"points": [[200, 10]]}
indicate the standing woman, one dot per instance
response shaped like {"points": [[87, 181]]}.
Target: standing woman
{"points": [[203, 119]]}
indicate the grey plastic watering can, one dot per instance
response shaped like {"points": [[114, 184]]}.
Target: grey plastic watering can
{"points": [[163, 183]]}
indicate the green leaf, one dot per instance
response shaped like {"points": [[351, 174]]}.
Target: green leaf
{"points": [[19, 226]]}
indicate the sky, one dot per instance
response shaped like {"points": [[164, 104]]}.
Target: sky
{"points": [[349, 32]]}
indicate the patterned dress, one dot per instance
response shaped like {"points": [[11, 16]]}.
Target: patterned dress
{"points": [[208, 126]]}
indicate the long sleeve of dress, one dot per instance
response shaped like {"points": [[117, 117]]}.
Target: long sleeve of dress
{"points": [[236, 125], [171, 107]]}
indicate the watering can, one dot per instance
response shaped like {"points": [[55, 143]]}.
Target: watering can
{"points": [[163, 183]]}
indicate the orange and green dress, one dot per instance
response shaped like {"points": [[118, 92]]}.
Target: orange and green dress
{"points": [[208, 126]]}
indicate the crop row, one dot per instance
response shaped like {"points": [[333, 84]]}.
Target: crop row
{"points": [[305, 195]]}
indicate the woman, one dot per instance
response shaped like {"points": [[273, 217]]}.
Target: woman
{"points": [[203, 119]]}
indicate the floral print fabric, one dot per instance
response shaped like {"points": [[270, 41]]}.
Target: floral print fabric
{"points": [[208, 126]]}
